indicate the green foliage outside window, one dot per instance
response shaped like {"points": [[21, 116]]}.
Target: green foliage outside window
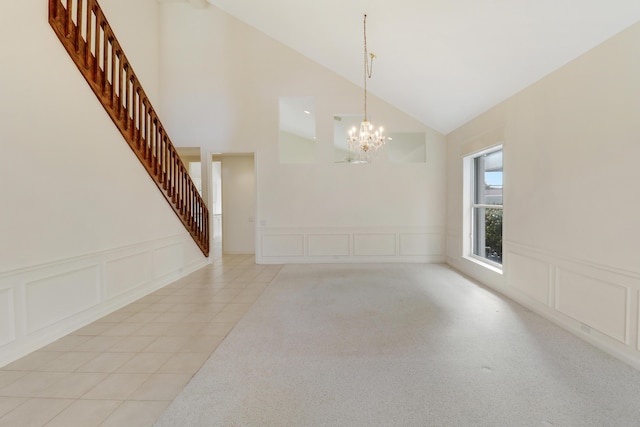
{"points": [[493, 234]]}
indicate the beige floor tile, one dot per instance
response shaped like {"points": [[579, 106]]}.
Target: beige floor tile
{"points": [[69, 361], [117, 386], [149, 299], [171, 317], [184, 308], [136, 413], [199, 317], [34, 412], [7, 377], [115, 317], [185, 329], [184, 363], [145, 363], [106, 362], [31, 384], [72, 386], [8, 404], [159, 308], [228, 317], [137, 307], [66, 343], [131, 344], [141, 317], [98, 344], [202, 344], [167, 344], [246, 298], [84, 413], [161, 387], [93, 329], [123, 329], [228, 292], [153, 330], [33, 361]]}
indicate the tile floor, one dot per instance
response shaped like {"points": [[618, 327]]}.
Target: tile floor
{"points": [[127, 367]]}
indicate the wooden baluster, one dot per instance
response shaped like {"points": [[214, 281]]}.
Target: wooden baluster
{"points": [[96, 44], [152, 141], [165, 162], [169, 168], [135, 110], [79, 16], [158, 156], [89, 40], [69, 18], [53, 9], [190, 203], [114, 62], [105, 56], [121, 79], [172, 175]]}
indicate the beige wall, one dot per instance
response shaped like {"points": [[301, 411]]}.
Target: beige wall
{"points": [[221, 85], [571, 198], [83, 228]]}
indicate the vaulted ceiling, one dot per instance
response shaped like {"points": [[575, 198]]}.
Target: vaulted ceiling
{"points": [[441, 61]]}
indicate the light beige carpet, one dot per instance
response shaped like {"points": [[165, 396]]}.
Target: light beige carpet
{"points": [[401, 345]]}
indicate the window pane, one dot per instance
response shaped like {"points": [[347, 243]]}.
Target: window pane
{"points": [[488, 234], [488, 179]]}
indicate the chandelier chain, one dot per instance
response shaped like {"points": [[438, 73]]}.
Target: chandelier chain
{"points": [[363, 142], [368, 66]]}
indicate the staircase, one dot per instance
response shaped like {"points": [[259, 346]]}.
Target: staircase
{"points": [[86, 35]]}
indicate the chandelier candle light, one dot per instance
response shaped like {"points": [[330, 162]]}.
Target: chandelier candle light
{"points": [[366, 142]]}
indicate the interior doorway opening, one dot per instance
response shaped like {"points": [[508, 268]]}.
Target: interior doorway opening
{"points": [[233, 196]]}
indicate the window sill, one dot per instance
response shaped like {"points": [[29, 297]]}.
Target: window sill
{"points": [[483, 263]]}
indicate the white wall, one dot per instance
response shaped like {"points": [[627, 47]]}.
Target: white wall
{"points": [[222, 92], [571, 198], [83, 228]]}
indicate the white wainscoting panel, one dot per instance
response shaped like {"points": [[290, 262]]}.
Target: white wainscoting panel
{"points": [[420, 244], [279, 245], [127, 272], [7, 323], [55, 298], [328, 245], [167, 259], [41, 303], [598, 304], [530, 276], [283, 245], [374, 244]]}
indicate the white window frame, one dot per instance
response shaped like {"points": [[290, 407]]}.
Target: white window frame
{"points": [[470, 206]]}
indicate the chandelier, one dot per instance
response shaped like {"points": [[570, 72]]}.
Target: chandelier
{"points": [[363, 143]]}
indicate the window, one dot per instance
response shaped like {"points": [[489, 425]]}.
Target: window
{"points": [[486, 206]]}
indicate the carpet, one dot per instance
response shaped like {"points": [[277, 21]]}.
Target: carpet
{"points": [[401, 345]]}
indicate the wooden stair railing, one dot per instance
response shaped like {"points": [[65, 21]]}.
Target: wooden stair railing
{"points": [[86, 35]]}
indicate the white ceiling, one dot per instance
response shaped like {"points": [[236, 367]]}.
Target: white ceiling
{"points": [[441, 61]]}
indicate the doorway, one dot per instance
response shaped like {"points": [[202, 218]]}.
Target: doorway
{"points": [[233, 190]]}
